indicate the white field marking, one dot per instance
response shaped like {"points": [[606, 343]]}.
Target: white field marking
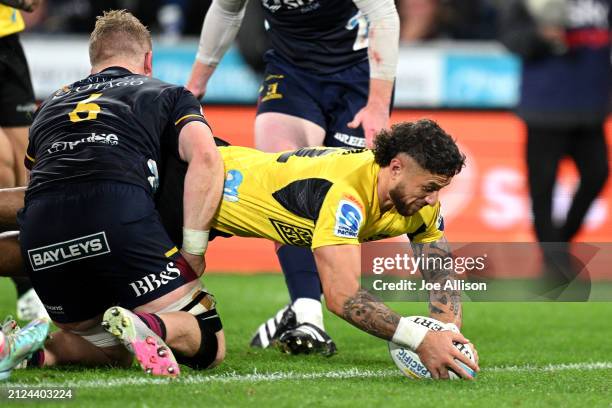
{"points": [[233, 377]]}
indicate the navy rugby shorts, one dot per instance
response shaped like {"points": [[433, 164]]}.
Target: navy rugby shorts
{"points": [[329, 100], [90, 246]]}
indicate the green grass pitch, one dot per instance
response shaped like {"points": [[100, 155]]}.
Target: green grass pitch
{"points": [[532, 355]]}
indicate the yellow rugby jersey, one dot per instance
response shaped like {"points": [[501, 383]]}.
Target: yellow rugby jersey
{"points": [[312, 197], [10, 21]]}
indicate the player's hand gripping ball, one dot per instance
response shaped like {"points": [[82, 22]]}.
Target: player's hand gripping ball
{"points": [[409, 362]]}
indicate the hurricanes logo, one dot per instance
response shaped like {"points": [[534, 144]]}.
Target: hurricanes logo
{"points": [[291, 234]]}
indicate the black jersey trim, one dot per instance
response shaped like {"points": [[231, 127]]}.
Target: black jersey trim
{"points": [[192, 117], [188, 116], [420, 230], [304, 198], [306, 152]]}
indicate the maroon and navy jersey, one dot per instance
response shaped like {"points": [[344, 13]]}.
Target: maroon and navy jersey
{"points": [[319, 35], [113, 125]]}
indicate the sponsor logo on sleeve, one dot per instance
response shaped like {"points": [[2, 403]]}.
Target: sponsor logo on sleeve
{"points": [[68, 251], [348, 219]]}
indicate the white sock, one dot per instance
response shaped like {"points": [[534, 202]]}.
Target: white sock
{"points": [[309, 311]]}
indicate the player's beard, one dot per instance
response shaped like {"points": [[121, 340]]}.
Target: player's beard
{"points": [[404, 209]]}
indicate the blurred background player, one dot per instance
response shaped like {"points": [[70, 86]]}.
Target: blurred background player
{"points": [[565, 95], [16, 108], [564, 100], [328, 81]]}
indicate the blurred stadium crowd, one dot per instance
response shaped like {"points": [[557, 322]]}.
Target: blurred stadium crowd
{"points": [[423, 19]]}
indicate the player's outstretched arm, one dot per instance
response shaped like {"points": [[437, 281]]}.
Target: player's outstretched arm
{"points": [[444, 304], [203, 187], [339, 270], [11, 200], [218, 32]]}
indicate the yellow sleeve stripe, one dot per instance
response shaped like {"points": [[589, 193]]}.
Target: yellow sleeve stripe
{"points": [[171, 252], [33, 160], [191, 115]]}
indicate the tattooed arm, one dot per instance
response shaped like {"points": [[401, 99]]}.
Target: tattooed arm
{"points": [[339, 268], [444, 304]]}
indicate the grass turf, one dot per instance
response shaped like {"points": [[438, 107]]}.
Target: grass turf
{"points": [[541, 340]]}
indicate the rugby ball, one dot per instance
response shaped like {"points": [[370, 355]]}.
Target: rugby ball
{"points": [[409, 362]]}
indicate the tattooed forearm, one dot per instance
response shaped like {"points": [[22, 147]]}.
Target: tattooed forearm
{"points": [[444, 304], [369, 314]]}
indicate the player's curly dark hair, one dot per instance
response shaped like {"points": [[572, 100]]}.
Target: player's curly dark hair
{"points": [[430, 146]]}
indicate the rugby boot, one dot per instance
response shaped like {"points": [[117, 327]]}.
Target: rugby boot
{"points": [[306, 338], [18, 345], [152, 353], [270, 330]]}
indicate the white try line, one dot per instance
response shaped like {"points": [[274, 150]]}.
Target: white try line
{"points": [[234, 377]]}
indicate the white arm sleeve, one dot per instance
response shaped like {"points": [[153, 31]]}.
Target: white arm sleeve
{"points": [[383, 36], [219, 29]]}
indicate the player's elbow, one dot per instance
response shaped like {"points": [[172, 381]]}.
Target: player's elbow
{"points": [[335, 303], [208, 157]]}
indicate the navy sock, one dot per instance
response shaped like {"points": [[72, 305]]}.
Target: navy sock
{"points": [[153, 322], [300, 272]]}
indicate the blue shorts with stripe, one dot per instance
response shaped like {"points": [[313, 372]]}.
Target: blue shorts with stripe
{"points": [[93, 245], [329, 100]]}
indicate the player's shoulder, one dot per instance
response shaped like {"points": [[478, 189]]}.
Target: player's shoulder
{"points": [[429, 213]]}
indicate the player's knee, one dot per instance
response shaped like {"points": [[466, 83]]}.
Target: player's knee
{"points": [[211, 350]]}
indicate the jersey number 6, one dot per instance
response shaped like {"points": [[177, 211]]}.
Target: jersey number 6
{"points": [[86, 106]]}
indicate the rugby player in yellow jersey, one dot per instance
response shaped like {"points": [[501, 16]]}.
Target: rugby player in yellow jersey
{"points": [[307, 198]]}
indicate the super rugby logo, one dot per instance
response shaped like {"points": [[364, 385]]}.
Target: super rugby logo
{"points": [[154, 281], [68, 251], [348, 219]]}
